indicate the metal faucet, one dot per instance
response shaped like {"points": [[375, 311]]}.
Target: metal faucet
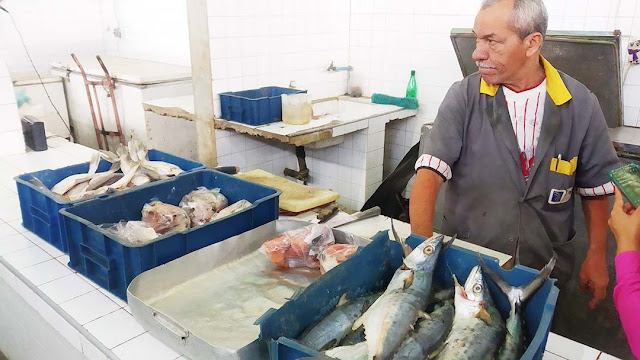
{"points": [[341, 68]]}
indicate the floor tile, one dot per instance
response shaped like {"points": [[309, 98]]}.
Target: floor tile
{"points": [[17, 224], [551, 356], [10, 209], [103, 328], [144, 347], [7, 230], [14, 243], [45, 272], [88, 307], [48, 248], [66, 288], [112, 297], [27, 257]]}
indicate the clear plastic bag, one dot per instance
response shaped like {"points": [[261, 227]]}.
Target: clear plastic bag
{"points": [[334, 255], [164, 218], [298, 248], [232, 209], [134, 232], [202, 204]]}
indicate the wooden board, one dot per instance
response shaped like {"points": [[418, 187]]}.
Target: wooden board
{"points": [[295, 197]]}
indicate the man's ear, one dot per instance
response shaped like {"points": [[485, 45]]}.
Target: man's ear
{"points": [[533, 43]]}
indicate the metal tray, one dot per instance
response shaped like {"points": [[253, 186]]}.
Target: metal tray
{"points": [[205, 303]]}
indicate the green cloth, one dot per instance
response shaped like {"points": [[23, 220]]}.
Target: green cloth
{"points": [[405, 102]]}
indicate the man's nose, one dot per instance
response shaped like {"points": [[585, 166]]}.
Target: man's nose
{"points": [[480, 54]]}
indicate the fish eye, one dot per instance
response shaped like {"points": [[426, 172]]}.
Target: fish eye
{"points": [[477, 288], [428, 250]]}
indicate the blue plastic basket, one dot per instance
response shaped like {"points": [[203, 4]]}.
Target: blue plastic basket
{"points": [[40, 210], [255, 107], [371, 269], [112, 264]]}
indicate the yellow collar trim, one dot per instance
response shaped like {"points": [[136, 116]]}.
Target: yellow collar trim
{"points": [[556, 88]]}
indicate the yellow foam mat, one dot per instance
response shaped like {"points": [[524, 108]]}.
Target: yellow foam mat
{"points": [[295, 197]]}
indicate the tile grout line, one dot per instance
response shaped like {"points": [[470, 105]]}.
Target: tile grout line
{"points": [[55, 307]]}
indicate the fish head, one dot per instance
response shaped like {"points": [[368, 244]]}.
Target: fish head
{"points": [[473, 296], [425, 256]]}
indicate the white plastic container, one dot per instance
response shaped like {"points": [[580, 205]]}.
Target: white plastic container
{"points": [[296, 109]]}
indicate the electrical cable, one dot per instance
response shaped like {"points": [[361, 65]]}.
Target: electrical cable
{"points": [[36, 70]]}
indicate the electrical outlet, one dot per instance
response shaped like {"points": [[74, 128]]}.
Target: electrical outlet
{"points": [[634, 52]]}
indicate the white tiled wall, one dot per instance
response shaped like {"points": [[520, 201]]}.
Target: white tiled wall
{"points": [[390, 38], [258, 43], [149, 30], [51, 30]]}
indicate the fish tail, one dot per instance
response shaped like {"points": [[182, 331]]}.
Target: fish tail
{"points": [[520, 297]]}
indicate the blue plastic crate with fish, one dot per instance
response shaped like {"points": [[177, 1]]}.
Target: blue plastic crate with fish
{"points": [[371, 269], [40, 208], [255, 107], [112, 263]]}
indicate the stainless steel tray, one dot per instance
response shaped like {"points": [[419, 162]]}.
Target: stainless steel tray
{"points": [[204, 304]]}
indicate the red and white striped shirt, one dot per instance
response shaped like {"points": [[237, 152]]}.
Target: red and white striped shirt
{"points": [[526, 109]]}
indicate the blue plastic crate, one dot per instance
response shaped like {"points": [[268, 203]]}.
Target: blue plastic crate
{"points": [[112, 264], [370, 269], [40, 211], [255, 107]]}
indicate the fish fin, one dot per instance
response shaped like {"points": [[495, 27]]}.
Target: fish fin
{"points": [[330, 345], [539, 279], [447, 245], [437, 351], [406, 249], [343, 300], [408, 281], [506, 288], [424, 315], [516, 252], [484, 315], [455, 280], [359, 322]]}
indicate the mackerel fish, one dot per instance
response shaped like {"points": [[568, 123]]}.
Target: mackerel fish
{"points": [[478, 328]]}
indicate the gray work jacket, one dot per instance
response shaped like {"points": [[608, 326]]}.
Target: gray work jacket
{"points": [[488, 201]]}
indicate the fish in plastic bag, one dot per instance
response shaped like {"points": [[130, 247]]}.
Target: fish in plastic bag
{"points": [[298, 248], [164, 218], [334, 255], [232, 209], [134, 232], [202, 204]]}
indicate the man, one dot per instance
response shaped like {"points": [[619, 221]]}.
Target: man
{"points": [[515, 142]]}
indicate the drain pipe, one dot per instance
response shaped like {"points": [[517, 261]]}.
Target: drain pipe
{"points": [[303, 173]]}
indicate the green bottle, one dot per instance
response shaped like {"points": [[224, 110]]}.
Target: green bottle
{"points": [[412, 88]]}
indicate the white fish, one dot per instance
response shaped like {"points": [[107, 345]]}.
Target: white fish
{"points": [[394, 314]]}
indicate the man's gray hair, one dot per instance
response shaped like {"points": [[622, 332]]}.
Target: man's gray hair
{"points": [[528, 16]]}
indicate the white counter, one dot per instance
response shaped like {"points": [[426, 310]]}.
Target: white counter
{"points": [[70, 317]]}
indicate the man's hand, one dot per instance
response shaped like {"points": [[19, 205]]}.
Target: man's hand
{"points": [[594, 277], [625, 225]]}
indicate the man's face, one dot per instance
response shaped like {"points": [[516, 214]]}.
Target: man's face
{"points": [[500, 53]]}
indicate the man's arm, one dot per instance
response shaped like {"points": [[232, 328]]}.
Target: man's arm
{"points": [[422, 202], [594, 275]]}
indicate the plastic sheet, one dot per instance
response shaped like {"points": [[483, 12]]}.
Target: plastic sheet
{"points": [[164, 218], [134, 232], [232, 209], [334, 255], [202, 204], [300, 247]]}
